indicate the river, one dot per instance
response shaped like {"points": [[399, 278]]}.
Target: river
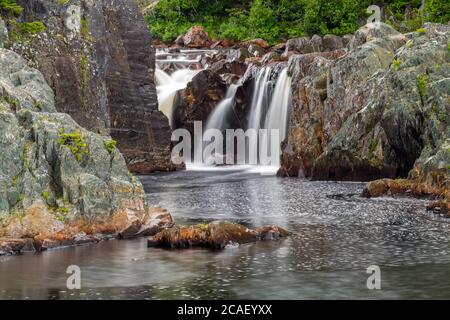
{"points": [[337, 236]]}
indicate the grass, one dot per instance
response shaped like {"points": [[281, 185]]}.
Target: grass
{"points": [[422, 81]]}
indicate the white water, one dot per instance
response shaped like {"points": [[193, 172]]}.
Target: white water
{"points": [[278, 114], [168, 85], [217, 118], [260, 95]]}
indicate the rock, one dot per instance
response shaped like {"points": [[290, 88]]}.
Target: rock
{"points": [[374, 112], [215, 235], [3, 33], [64, 179], [271, 232], [199, 98], [12, 246], [255, 50], [102, 74], [317, 43], [179, 41], [300, 45], [257, 42], [331, 43], [156, 220], [279, 48], [197, 37], [440, 207]]}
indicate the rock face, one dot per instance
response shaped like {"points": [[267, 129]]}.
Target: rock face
{"points": [[199, 98], [3, 33], [380, 110], [98, 59], [59, 183], [215, 235]]}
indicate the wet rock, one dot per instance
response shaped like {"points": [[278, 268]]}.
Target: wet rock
{"points": [[271, 232], [12, 246], [197, 37], [215, 235], [199, 98]]}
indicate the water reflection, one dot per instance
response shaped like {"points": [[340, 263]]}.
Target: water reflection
{"points": [[337, 235]]}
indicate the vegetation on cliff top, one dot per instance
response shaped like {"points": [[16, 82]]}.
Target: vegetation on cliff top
{"points": [[275, 20]]}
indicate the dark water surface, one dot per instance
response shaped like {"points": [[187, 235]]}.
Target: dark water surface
{"points": [[337, 236]]}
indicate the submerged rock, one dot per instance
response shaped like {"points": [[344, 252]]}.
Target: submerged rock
{"points": [[215, 235]]}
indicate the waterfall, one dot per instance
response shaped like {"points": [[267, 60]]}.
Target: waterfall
{"points": [[168, 85], [278, 114], [260, 98], [217, 119]]}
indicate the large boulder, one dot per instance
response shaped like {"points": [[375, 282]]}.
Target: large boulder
{"points": [[196, 37], [98, 59], [379, 111], [59, 183], [200, 97]]}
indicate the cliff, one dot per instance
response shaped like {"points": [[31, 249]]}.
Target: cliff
{"points": [[98, 59]]}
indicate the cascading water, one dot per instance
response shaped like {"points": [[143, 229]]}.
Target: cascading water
{"points": [[217, 119], [278, 114], [168, 85], [260, 98]]}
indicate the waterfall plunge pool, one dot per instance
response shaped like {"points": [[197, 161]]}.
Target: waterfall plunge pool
{"points": [[337, 236]]}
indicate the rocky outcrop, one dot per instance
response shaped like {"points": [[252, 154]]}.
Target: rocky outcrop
{"points": [[215, 235], [199, 98], [380, 110], [97, 56], [60, 184]]}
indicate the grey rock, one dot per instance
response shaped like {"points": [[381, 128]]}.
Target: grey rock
{"points": [[99, 61], [53, 171], [3, 33]]}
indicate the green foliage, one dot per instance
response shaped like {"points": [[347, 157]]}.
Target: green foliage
{"points": [[422, 81], [421, 31], [110, 145], [75, 142], [275, 20], [10, 8], [29, 28], [63, 2], [396, 64]]}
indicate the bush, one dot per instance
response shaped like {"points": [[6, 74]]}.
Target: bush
{"points": [[10, 8], [275, 20]]}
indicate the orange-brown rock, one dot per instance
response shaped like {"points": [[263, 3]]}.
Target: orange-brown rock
{"points": [[215, 235], [196, 37]]}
